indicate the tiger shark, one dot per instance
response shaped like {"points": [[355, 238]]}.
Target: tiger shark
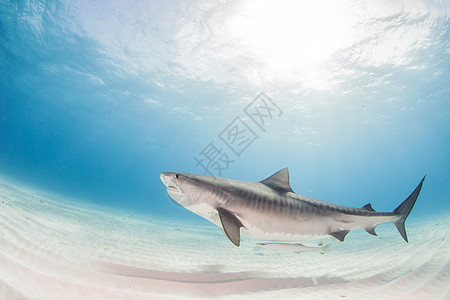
{"points": [[270, 210]]}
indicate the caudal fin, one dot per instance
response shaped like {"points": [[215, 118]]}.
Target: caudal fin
{"points": [[405, 208]]}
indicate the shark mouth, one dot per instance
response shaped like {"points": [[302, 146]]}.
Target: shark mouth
{"points": [[175, 193], [173, 188]]}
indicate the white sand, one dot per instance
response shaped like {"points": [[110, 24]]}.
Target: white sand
{"points": [[51, 248]]}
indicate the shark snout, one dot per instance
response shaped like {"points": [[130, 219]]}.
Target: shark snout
{"points": [[167, 178], [174, 183], [170, 179]]}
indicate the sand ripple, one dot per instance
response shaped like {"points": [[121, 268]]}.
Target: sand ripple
{"points": [[51, 248]]}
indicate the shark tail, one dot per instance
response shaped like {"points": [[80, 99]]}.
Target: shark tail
{"points": [[403, 210]]}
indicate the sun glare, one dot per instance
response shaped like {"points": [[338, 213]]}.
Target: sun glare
{"points": [[291, 37]]}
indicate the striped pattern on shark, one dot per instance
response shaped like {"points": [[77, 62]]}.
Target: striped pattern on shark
{"points": [[270, 210]]}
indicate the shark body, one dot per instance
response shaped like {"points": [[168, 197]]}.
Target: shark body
{"points": [[270, 210]]}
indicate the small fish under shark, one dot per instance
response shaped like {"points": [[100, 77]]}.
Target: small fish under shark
{"points": [[296, 248], [269, 210]]}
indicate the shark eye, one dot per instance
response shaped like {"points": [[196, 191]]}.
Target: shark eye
{"points": [[176, 176]]}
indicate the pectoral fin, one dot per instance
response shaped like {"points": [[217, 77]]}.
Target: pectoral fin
{"points": [[231, 226]]}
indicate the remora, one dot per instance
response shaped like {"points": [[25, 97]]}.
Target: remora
{"points": [[270, 210]]}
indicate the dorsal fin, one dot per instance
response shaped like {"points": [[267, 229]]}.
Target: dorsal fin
{"points": [[368, 207], [279, 180]]}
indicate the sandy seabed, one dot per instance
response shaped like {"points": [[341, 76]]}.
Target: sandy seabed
{"points": [[53, 248]]}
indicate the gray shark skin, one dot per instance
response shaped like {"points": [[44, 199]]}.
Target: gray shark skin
{"points": [[270, 210]]}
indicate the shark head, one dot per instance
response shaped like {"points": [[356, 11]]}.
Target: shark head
{"points": [[187, 189]]}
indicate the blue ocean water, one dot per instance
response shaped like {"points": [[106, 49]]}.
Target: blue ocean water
{"points": [[99, 97]]}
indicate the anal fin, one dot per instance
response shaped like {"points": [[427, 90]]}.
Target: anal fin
{"points": [[340, 235], [371, 230], [231, 226]]}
